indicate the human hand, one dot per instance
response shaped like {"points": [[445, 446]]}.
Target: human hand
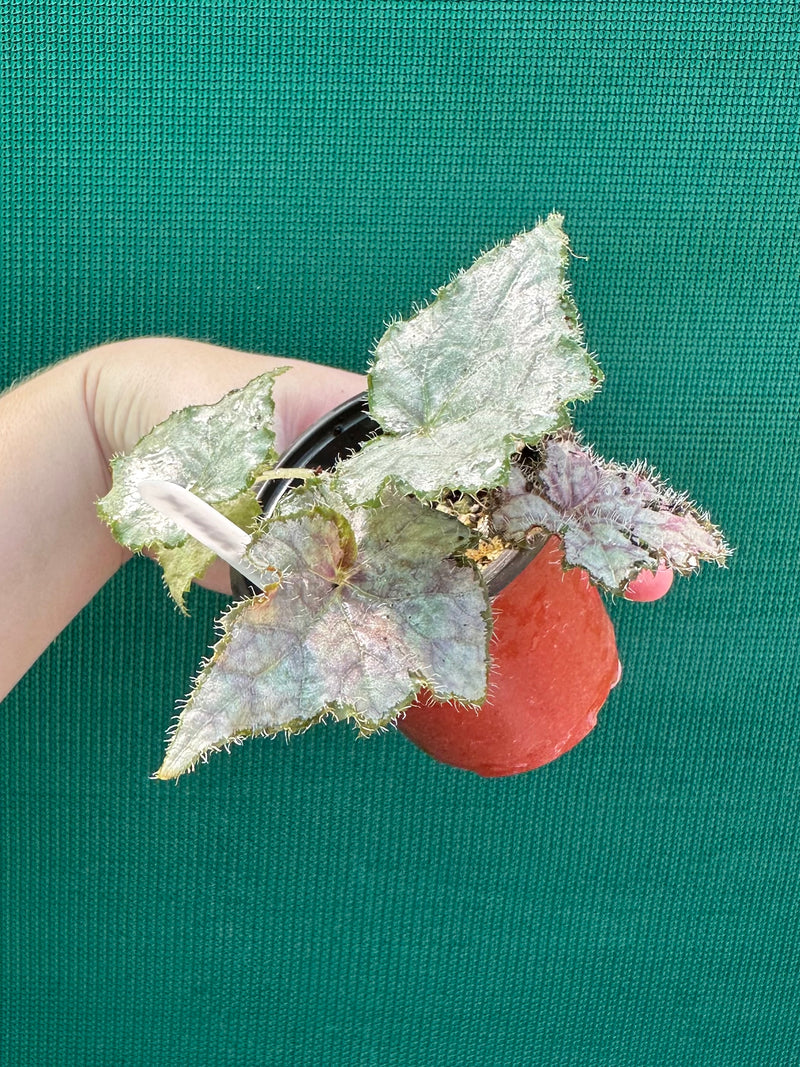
{"points": [[58, 431], [137, 384]]}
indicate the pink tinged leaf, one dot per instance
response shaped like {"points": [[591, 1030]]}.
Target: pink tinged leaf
{"points": [[369, 610], [615, 521]]}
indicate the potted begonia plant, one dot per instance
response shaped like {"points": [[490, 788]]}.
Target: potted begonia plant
{"points": [[430, 557]]}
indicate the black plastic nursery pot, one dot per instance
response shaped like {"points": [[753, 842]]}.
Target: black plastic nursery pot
{"points": [[343, 430], [337, 434], [553, 653]]}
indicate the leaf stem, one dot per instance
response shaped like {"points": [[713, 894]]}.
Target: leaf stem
{"points": [[287, 474]]}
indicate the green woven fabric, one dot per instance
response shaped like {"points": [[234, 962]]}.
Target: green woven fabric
{"points": [[284, 176]]}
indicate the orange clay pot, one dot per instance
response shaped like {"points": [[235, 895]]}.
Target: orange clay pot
{"points": [[554, 661]]}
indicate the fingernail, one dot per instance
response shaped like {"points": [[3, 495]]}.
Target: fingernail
{"points": [[650, 586]]}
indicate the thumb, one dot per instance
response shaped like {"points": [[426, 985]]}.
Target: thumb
{"points": [[134, 385], [138, 383]]}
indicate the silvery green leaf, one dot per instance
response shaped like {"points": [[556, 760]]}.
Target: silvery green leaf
{"points": [[615, 521], [490, 363], [215, 450], [368, 610]]}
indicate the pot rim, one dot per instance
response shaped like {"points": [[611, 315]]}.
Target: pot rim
{"points": [[340, 431]]}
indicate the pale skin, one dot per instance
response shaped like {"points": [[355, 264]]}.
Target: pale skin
{"points": [[58, 431]]}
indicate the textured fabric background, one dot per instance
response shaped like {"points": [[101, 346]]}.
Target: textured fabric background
{"points": [[283, 177]]}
